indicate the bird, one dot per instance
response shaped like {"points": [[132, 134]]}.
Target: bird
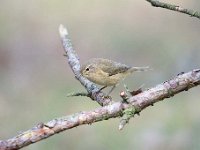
{"points": [[106, 72]]}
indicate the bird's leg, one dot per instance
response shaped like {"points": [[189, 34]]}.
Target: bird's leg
{"points": [[111, 89], [101, 88]]}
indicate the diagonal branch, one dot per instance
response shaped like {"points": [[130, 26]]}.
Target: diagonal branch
{"points": [[182, 82], [133, 105], [190, 12], [74, 63]]}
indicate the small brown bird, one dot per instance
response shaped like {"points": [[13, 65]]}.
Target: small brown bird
{"points": [[107, 72]]}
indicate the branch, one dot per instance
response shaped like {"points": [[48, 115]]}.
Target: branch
{"points": [[182, 82], [126, 108], [73, 60], [190, 12]]}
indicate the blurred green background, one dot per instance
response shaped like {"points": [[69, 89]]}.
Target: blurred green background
{"points": [[35, 77]]}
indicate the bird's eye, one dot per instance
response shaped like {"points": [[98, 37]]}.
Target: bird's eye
{"points": [[87, 69]]}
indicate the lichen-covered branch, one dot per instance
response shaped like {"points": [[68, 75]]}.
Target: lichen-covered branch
{"points": [[182, 82], [190, 12], [126, 108], [74, 63]]}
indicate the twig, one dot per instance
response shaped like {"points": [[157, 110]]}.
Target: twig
{"points": [[74, 63], [128, 113], [190, 12], [78, 94], [182, 82]]}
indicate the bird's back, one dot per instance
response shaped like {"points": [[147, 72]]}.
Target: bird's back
{"points": [[108, 66]]}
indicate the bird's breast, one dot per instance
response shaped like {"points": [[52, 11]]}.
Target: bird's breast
{"points": [[106, 80]]}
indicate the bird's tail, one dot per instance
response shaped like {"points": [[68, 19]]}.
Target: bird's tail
{"points": [[139, 69]]}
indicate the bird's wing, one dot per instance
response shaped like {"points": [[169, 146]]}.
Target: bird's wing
{"points": [[111, 67]]}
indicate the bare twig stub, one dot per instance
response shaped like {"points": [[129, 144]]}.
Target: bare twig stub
{"points": [[190, 12], [74, 63], [182, 82]]}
